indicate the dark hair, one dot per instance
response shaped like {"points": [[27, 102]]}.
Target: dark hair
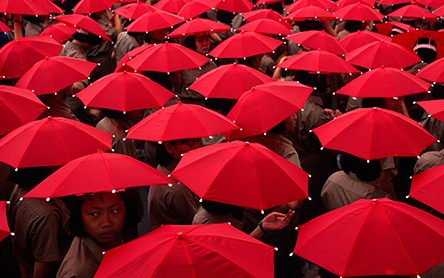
{"points": [[75, 219], [224, 16], [190, 42], [248, 61], [317, 81], [370, 102], [114, 114], [426, 54], [223, 209], [309, 24], [277, 7], [163, 157], [32, 18], [278, 129], [90, 39], [352, 25], [365, 171], [29, 177], [224, 105]]}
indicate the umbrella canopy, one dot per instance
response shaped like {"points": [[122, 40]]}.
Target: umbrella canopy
{"points": [[52, 141], [234, 6], [59, 73], [18, 107], [414, 11], [324, 4], [266, 26], [154, 20], [427, 187], [229, 81], [374, 133], [344, 3], [167, 57], [319, 61], [134, 10], [358, 12], [409, 39], [122, 66], [125, 91], [92, 6], [190, 251], [318, 40], [387, 27], [433, 72], [19, 55], [431, 3], [51, 7], [310, 12], [385, 83], [439, 12], [180, 121], [4, 228], [245, 44], [348, 241], [382, 53], [59, 32], [360, 38], [198, 25], [262, 13], [263, 2], [4, 28], [30, 7], [242, 174], [435, 108], [195, 8], [171, 6], [84, 22], [264, 106], [99, 172]]}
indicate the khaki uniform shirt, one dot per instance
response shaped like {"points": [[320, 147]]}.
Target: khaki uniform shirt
{"points": [[118, 144], [429, 160], [189, 76], [203, 216]]}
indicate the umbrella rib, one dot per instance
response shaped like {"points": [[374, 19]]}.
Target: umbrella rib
{"points": [[372, 126], [50, 76], [61, 140], [108, 172], [257, 178], [190, 263]]}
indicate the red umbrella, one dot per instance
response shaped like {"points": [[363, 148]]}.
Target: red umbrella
{"points": [[229, 81], [318, 40], [374, 133], [358, 12], [122, 66], [319, 61], [360, 38], [242, 174], [382, 53], [134, 11], [4, 28], [92, 6], [59, 73], [413, 11], [167, 57], [198, 25], [427, 187], [154, 20], [171, 6], [245, 44], [31, 7], [266, 26], [263, 2], [394, 2], [439, 12], [373, 237], [51, 7], [324, 4], [84, 22], [4, 228], [384, 83], [195, 8], [433, 71], [198, 251], [262, 13], [234, 6], [19, 55], [344, 3], [387, 27], [264, 106], [59, 32], [99, 172], [433, 107], [17, 107], [431, 3], [409, 39], [124, 91], [52, 141], [180, 121], [310, 12]]}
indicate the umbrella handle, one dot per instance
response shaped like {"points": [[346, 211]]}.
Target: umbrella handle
{"points": [[17, 20]]}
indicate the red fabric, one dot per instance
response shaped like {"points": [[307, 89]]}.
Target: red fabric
{"points": [[234, 6], [318, 40], [125, 91], [358, 12], [92, 6], [344, 3], [373, 133], [154, 20], [84, 22], [180, 121], [414, 11], [324, 4], [408, 40], [187, 251], [31, 7], [434, 108], [58, 72], [310, 12], [195, 8], [134, 11], [52, 141], [427, 187], [373, 237], [266, 26], [59, 32], [198, 25], [229, 81], [243, 174], [171, 6], [100, 172], [4, 228], [360, 38]]}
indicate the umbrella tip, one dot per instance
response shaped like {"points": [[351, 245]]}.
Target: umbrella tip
{"points": [[179, 235], [374, 201]]}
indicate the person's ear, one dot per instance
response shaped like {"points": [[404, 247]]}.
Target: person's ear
{"points": [[169, 147]]}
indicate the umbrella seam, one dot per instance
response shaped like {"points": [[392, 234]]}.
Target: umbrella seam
{"points": [[60, 138]]}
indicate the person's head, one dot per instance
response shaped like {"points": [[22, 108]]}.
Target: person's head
{"points": [[170, 152], [365, 171], [252, 61], [157, 36], [29, 177], [308, 24], [354, 25], [317, 81], [199, 42], [386, 103], [133, 115], [286, 126], [88, 39], [225, 17], [223, 209], [101, 216]]}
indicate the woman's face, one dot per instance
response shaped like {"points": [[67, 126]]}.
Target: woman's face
{"points": [[392, 104], [103, 216], [202, 42]]}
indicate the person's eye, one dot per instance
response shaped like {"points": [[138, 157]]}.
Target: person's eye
{"points": [[93, 214], [115, 210]]}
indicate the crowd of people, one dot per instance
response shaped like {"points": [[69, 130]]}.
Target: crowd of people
{"points": [[66, 237]]}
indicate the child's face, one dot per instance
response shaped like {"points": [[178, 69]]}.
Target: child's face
{"points": [[103, 216]]}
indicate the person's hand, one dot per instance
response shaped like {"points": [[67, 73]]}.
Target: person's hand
{"points": [[276, 221], [333, 114]]}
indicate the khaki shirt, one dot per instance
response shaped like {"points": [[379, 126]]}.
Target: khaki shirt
{"points": [[429, 160], [118, 144]]}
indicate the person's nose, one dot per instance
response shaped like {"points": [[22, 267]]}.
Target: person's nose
{"points": [[106, 222]]}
